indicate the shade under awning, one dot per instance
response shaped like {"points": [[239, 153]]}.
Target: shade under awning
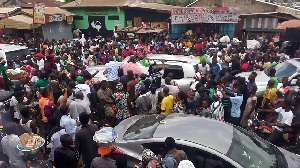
{"points": [[18, 22]]}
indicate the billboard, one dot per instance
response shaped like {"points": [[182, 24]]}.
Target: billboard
{"points": [[39, 13], [204, 15], [57, 17], [161, 25]]}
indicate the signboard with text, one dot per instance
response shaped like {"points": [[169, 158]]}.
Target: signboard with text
{"points": [[204, 15], [39, 13], [57, 17]]}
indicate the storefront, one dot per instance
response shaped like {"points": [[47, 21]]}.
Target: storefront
{"points": [[98, 21], [203, 20]]}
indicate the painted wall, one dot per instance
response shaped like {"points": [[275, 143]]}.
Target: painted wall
{"points": [[107, 16]]}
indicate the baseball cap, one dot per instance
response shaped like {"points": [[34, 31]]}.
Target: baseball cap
{"points": [[39, 55], [79, 79]]}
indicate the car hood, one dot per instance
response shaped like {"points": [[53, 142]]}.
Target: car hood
{"points": [[292, 159], [261, 78]]}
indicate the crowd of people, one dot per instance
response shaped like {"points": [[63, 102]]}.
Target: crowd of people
{"points": [[73, 104]]}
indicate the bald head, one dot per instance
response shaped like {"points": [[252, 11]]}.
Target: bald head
{"points": [[79, 95]]}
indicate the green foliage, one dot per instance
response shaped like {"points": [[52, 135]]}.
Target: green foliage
{"points": [[67, 1]]}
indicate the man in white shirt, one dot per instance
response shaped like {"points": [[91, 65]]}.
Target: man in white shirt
{"points": [[173, 90], [40, 61], [78, 106], [284, 119], [203, 68], [9, 145], [112, 73], [84, 88]]}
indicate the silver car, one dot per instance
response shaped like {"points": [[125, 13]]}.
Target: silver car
{"points": [[289, 68], [208, 143]]}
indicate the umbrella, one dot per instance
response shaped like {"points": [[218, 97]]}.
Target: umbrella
{"points": [[287, 24], [225, 39]]}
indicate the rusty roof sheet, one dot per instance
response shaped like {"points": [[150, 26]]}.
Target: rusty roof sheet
{"points": [[8, 10], [50, 11], [154, 6], [18, 22], [98, 3]]}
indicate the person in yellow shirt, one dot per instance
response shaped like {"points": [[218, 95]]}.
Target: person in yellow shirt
{"points": [[270, 94], [189, 44], [167, 102]]}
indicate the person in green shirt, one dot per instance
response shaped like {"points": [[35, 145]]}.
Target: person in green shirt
{"points": [[42, 83], [201, 57], [273, 77], [7, 82]]}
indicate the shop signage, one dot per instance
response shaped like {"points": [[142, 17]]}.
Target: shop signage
{"points": [[104, 12], [129, 23], [118, 24], [205, 15], [160, 25], [3, 15], [57, 17], [39, 13]]}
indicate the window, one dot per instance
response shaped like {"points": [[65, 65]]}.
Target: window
{"points": [[143, 128], [113, 17], [175, 69], [78, 17], [199, 157]]}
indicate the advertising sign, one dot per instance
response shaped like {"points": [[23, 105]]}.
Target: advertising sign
{"points": [[3, 16], [160, 25], [39, 13], [205, 15], [57, 17], [118, 24]]}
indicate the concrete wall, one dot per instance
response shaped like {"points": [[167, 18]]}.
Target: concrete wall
{"points": [[246, 6]]}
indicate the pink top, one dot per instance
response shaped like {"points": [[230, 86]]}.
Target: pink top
{"points": [[131, 66]]}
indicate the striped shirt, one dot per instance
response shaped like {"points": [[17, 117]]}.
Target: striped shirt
{"points": [[226, 102]]}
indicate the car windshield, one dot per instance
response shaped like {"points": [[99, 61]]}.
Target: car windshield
{"points": [[143, 128], [284, 69], [249, 150]]}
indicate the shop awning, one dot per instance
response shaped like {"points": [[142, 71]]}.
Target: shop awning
{"points": [[18, 22]]}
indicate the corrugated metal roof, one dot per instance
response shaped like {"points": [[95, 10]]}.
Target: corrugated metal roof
{"points": [[50, 11], [154, 6], [8, 10], [287, 10], [98, 3], [18, 22]]}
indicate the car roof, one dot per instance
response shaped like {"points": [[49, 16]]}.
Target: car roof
{"points": [[174, 58], [294, 61], [208, 132], [11, 47]]}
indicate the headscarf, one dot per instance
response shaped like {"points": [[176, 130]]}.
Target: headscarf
{"points": [[119, 86], [147, 155], [186, 164]]}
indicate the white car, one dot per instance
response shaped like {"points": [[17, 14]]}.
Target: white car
{"points": [[289, 68], [10, 51], [182, 67]]}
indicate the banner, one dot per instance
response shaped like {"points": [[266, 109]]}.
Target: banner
{"points": [[57, 17], [161, 25], [39, 13], [205, 15], [118, 24]]}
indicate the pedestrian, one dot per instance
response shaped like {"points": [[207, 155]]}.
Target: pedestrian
{"points": [[178, 155], [79, 106], [167, 102], [84, 140], [64, 156], [143, 102], [121, 100], [131, 65], [85, 89], [29, 125], [111, 72], [250, 106], [107, 100], [9, 145], [105, 160], [270, 94]]}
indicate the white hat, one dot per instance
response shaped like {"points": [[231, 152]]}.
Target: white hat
{"points": [[219, 53], [186, 164]]}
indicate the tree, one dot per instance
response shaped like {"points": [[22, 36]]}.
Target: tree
{"points": [[177, 2], [67, 1]]}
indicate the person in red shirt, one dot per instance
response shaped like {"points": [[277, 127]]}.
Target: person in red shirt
{"points": [[199, 45]]}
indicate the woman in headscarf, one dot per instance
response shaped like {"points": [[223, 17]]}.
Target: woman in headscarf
{"points": [[121, 99]]}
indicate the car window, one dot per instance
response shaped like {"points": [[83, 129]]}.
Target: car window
{"points": [[249, 150], [177, 71], [21, 53], [199, 157], [143, 128], [284, 69]]}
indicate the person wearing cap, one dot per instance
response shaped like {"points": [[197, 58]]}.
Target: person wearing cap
{"points": [[105, 160], [85, 89], [40, 61]]}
